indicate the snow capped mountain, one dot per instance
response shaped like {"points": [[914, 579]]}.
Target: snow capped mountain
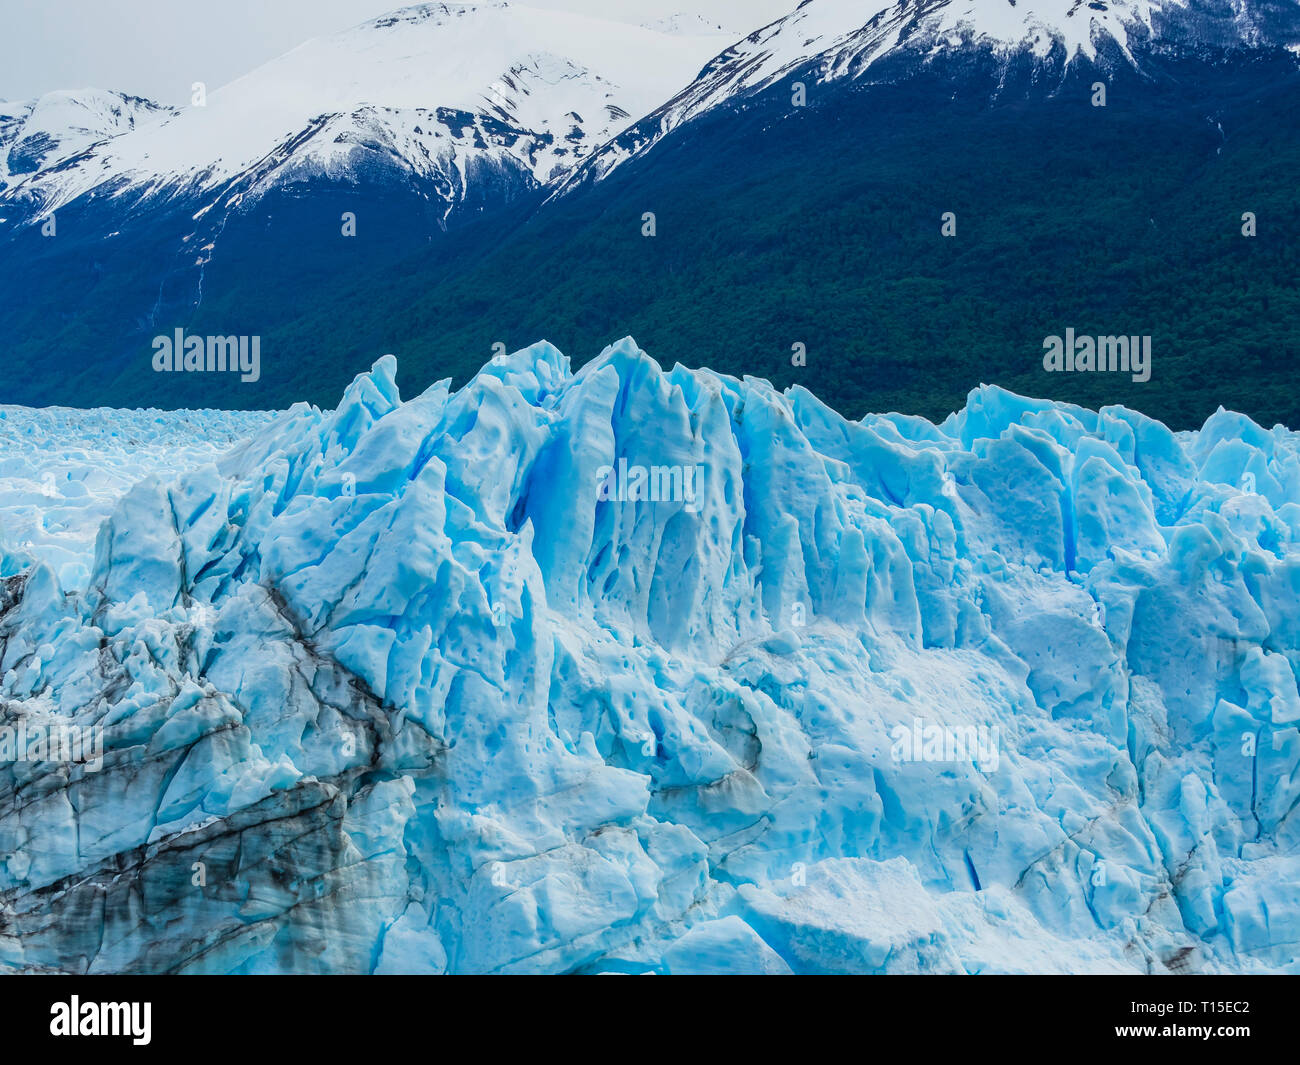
{"points": [[634, 670], [833, 40], [689, 23], [37, 135], [450, 132], [444, 91], [436, 89]]}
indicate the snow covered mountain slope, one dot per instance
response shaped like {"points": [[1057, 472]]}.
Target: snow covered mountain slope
{"points": [[440, 89], [631, 670], [38, 135], [842, 40], [434, 89], [690, 23]]}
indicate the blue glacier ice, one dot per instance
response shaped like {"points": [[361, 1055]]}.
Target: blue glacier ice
{"points": [[627, 670]]}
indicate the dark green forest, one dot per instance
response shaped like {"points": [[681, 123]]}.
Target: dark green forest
{"points": [[819, 225]]}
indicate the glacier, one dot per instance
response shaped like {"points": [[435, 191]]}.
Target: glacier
{"points": [[401, 687], [62, 470]]}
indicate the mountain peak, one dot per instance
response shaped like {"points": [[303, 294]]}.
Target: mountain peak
{"points": [[439, 13], [35, 135], [828, 40], [534, 90]]}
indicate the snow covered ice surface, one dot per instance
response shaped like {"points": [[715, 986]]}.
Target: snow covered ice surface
{"points": [[62, 471], [430, 686]]}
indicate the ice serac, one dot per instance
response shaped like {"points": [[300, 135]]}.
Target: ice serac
{"points": [[632, 670]]}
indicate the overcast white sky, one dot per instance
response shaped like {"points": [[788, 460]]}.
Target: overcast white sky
{"points": [[158, 48]]}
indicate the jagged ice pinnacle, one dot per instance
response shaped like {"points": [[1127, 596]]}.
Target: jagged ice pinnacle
{"points": [[485, 681]]}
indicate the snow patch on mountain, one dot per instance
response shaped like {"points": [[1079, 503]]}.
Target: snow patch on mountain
{"points": [[433, 686], [37, 135], [689, 23]]}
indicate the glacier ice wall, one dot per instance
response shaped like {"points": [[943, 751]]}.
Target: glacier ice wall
{"points": [[428, 686]]}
